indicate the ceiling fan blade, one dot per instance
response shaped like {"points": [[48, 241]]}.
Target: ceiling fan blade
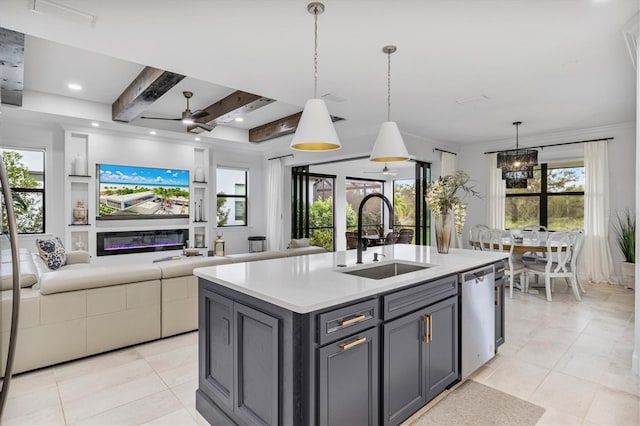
{"points": [[204, 126], [162, 118], [199, 114]]}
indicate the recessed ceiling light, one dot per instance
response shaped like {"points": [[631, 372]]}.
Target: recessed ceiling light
{"points": [[95, 124], [152, 132], [74, 86], [197, 138], [239, 119]]}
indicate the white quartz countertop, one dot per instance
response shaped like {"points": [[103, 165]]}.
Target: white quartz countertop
{"points": [[308, 283]]}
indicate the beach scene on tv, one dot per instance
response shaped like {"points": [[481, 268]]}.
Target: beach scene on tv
{"points": [[128, 190]]}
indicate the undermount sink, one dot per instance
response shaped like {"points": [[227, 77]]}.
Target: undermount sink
{"points": [[386, 270]]}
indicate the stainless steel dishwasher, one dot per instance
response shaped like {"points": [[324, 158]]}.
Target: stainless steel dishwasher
{"points": [[477, 318]]}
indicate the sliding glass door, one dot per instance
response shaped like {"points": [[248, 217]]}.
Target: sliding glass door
{"points": [[313, 208]]}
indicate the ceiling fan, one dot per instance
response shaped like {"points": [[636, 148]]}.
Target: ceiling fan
{"points": [[188, 117], [386, 171]]}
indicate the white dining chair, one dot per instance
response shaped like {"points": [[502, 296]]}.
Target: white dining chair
{"points": [[577, 236], [494, 240], [474, 235], [558, 263]]}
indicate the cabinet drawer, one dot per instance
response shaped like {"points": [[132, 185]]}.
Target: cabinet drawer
{"points": [[405, 301], [340, 323]]}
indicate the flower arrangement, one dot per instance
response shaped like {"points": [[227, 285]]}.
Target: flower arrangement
{"points": [[442, 198]]}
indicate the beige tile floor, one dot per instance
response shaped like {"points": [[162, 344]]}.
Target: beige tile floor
{"points": [[573, 358]]}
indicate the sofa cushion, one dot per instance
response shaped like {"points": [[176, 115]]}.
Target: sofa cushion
{"points": [[305, 250], [297, 243], [96, 276], [250, 257], [28, 274], [184, 266], [52, 252]]}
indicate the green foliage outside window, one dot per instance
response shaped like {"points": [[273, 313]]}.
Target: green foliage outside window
{"points": [[28, 205], [564, 195]]}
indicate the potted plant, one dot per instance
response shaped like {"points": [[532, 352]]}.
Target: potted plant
{"points": [[625, 230], [443, 200]]}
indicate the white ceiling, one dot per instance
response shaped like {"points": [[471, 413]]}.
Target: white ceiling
{"points": [[555, 65]]}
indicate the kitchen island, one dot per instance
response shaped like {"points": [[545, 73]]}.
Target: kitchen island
{"points": [[308, 340]]}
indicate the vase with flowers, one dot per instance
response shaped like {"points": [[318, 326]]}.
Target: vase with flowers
{"points": [[444, 201]]}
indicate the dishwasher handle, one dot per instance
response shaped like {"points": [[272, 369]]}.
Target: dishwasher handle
{"points": [[477, 275]]}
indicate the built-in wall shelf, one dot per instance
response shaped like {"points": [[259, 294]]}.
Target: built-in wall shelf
{"points": [[79, 193]]}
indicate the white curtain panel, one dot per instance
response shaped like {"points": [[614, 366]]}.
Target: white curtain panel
{"points": [[497, 194], [597, 261], [448, 167], [274, 205]]}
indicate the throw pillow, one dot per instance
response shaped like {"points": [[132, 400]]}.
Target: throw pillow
{"points": [[52, 252], [298, 243]]}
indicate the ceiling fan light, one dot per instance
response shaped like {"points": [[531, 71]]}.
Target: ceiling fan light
{"points": [[315, 130], [187, 121], [389, 145]]}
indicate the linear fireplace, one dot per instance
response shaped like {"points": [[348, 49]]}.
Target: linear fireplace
{"points": [[125, 242]]}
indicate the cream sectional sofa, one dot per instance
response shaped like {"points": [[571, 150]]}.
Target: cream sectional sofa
{"points": [[83, 309]]}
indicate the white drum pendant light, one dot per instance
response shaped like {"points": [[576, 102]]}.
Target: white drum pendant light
{"points": [[315, 131], [389, 145]]}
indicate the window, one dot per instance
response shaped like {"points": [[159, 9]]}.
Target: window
{"points": [[372, 214], [553, 198], [25, 169], [404, 203], [231, 203], [321, 226]]}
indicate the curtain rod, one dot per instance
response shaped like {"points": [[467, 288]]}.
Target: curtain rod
{"points": [[443, 150], [552, 144], [282, 156]]}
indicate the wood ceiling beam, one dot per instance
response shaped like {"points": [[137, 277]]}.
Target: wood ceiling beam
{"points": [[11, 67], [237, 104], [145, 89], [280, 127]]}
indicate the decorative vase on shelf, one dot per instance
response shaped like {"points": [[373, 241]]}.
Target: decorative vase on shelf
{"points": [[199, 175], [444, 225], [80, 165], [79, 214]]}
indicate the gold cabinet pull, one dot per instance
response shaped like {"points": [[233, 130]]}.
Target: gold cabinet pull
{"points": [[354, 320], [430, 328], [497, 301], [358, 341], [427, 329]]}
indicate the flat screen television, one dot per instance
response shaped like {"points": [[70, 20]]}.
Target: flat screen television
{"points": [[129, 192]]}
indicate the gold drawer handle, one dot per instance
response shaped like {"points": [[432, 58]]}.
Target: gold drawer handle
{"points": [[497, 301], [428, 330], [354, 320], [358, 341]]}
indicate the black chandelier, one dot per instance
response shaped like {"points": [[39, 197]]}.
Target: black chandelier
{"points": [[517, 164]]}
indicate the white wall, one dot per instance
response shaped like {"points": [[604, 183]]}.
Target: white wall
{"points": [[21, 135], [621, 168], [130, 149]]}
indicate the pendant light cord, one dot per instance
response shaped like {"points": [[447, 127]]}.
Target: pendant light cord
{"points": [[389, 86], [315, 53]]}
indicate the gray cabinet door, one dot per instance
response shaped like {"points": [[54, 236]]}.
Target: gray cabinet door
{"points": [[442, 346], [216, 347], [348, 380], [255, 370], [404, 379], [499, 289]]}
